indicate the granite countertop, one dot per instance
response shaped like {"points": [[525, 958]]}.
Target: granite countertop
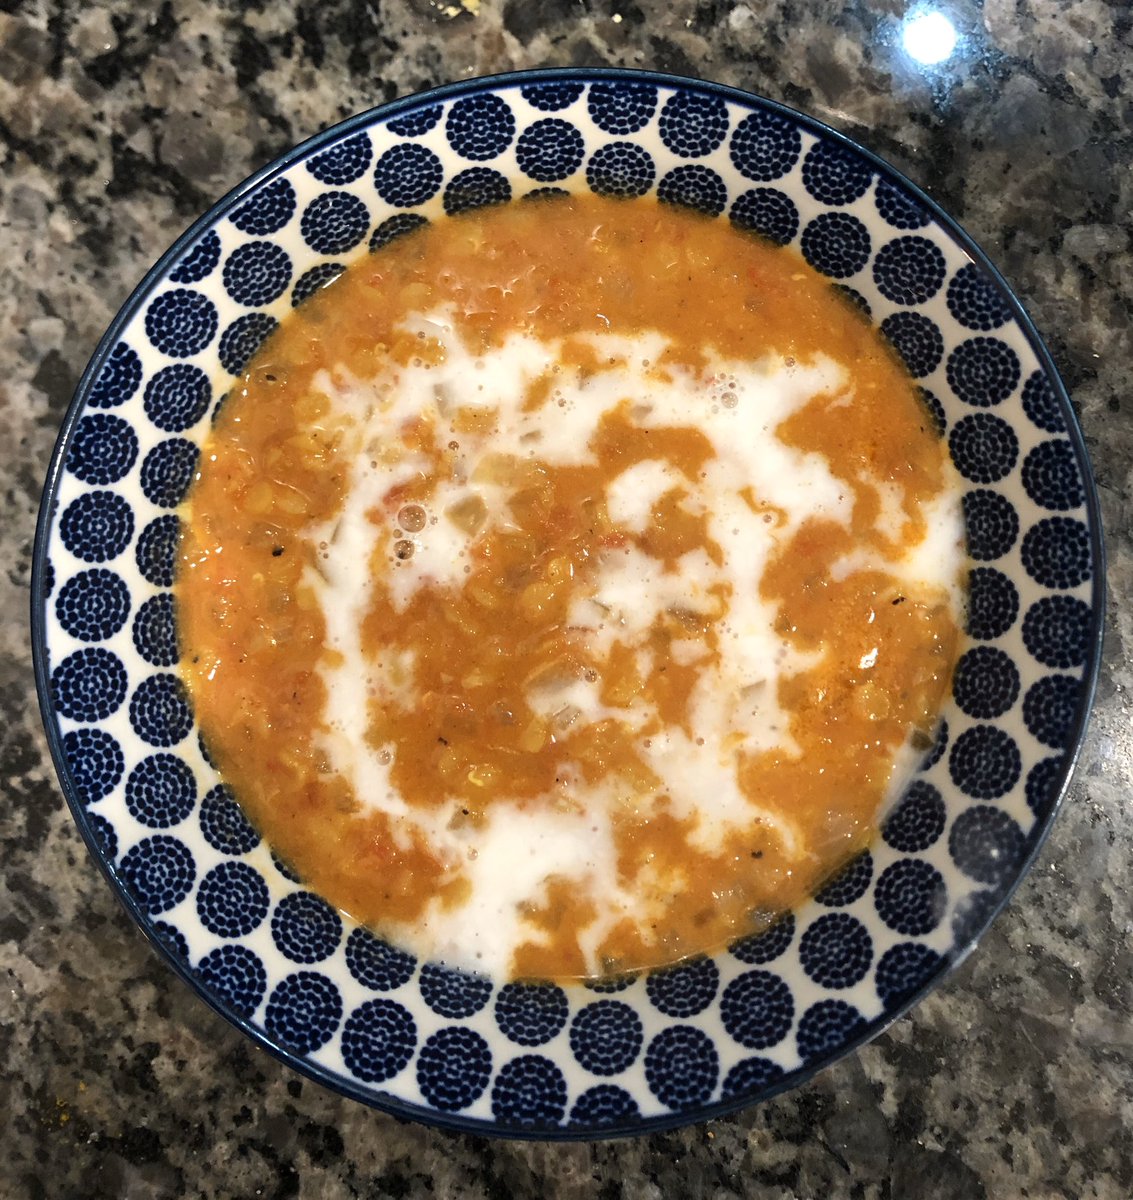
{"points": [[120, 122]]}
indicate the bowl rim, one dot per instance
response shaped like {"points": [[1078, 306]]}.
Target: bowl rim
{"points": [[1037, 836]]}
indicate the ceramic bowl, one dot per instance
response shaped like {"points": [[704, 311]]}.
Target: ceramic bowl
{"points": [[419, 1039]]}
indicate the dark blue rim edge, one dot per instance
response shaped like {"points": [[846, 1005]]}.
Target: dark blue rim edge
{"points": [[949, 961]]}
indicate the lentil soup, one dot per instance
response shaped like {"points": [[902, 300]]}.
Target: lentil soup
{"points": [[568, 586]]}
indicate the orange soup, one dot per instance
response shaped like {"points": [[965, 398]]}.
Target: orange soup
{"points": [[568, 586]]}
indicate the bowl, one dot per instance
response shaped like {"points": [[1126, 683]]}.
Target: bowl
{"points": [[421, 1039]]}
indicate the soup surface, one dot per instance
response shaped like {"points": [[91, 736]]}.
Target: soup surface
{"points": [[567, 586]]}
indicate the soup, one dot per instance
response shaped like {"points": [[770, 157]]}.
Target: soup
{"points": [[568, 586]]}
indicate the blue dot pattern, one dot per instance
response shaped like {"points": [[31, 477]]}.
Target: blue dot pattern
{"points": [[935, 408], [682, 1066], [993, 603], [609, 985], [985, 683], [452, 993], [551, 97], [414, 124], [750, 1076], [827, 1026], [1041, 405], [167, 471], [335, 222], [161, 791], [236, 976], [603, 1105], [549, 150], [240, 341], [376, 964], [849, 884], [545, 193], [93, 605], [158, 872], [223, 823], [939, 745], [206, 754], [1056, 553], [833, 174], [103, 450], [983, 371], [909, 270], [621, 169], [902, 970], [1049, 708], [529, 1093], [303, 1011], [692, 124], [769, 212], [1056, 631], [232, 900], [836, 950], [118, 380], [530, 1014], [837, 244], [88, 685], [973, 913], [95, 762], [181, 322], [984, 762], [897, 208], [856, 299], [684, 990], [97, 526], [256, 273], [694, 186], [344, 162], [621, 108], [910, 897], [104, 835], [1043, 783], [156, 551], [757, 1009], [1051, 476], [606, 1037], [314, 280], [767, 946], [985, 843], [159, 710], [480, 127], [172, 939], [453, 1068], [407, 175], [765, 146], [476, 187], [916, 339], [285, 869], [378, 1040], [200, 261], [177, 397], [918, 819], [975, 301], [305, 928], [991, 524], [268, 210], [155, 631], [394, 227]]}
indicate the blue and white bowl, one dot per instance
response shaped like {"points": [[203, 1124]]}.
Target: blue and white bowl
{"points": [[467, 1052]]}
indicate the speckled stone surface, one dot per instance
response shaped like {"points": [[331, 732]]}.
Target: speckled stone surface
{"points": [[119, 123]]}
